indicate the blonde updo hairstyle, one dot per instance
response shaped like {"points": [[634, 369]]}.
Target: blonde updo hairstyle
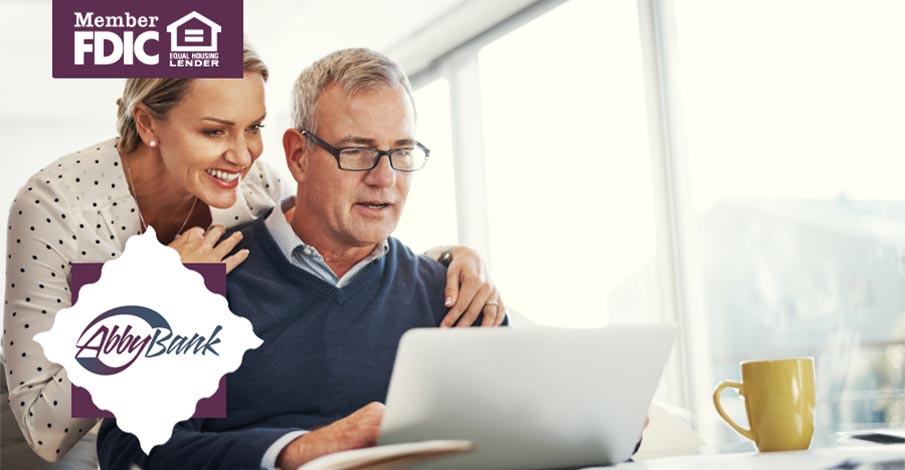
{"points": [[160, 95]]}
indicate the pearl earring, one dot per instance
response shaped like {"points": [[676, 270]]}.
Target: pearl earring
{"points": [[152, 143]]}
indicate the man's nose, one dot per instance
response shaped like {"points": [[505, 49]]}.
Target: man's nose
{"points": [[383, 174]]}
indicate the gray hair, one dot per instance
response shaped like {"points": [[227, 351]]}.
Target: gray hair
{"points": [[160, 95], [354, 70]]}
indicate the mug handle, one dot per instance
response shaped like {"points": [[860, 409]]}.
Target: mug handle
{"points": [[719, 408]]}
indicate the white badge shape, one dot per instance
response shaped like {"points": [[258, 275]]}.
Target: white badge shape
{"points": [[148, 340]]}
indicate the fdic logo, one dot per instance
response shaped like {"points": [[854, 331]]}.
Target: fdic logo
{"points": [[107, 40]]}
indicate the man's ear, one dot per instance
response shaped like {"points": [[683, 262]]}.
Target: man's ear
{"points": [[295, 145], [145, 124]]}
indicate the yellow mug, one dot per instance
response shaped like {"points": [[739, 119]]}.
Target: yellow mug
{"points": [[779, 399]]}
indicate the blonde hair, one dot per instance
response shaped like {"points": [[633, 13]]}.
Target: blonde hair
{"points": [[354, 70], [160, 95]]}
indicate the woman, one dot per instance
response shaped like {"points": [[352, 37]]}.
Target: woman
{"points": [[186, 157]]}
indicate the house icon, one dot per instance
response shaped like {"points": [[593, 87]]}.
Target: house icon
{"points": [[193, 33]]}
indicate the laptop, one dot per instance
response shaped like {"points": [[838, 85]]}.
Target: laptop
{"points": [[538, 398]]}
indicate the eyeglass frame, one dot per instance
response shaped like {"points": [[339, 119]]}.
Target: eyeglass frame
{"points": [[336, 151]]}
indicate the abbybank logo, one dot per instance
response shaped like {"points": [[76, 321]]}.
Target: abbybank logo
{"points": [[99, 38], [118, 337], [142, 320]]}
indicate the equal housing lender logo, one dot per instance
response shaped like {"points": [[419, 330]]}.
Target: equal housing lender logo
{"points": [[140, 38]]}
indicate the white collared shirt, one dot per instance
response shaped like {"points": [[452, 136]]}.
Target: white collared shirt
{"points": [[306, 256]]}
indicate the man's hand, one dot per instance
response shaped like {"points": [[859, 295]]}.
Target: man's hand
{"points": [[359, 429], [640, 437]]}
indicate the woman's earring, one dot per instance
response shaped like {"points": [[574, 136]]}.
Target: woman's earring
{"points": [[152, 143]]}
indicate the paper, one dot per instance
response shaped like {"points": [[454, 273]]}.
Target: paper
{"points": [[397, 456], [667, 435]]}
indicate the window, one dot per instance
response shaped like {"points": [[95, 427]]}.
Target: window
{"points": [[429, 218], [794, 121], [791, 116], [569, 195]]}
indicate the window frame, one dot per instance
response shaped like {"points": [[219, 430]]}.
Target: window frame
{"points": [[687, 374]]}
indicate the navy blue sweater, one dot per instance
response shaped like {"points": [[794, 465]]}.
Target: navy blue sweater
{"points": [[327, 351]]}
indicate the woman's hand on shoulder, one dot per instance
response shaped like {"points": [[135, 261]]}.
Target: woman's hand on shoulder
{"points": [[196, 245], [470, 291]]}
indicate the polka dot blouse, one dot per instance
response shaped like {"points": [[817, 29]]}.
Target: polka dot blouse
{"points": [[76, 210]]}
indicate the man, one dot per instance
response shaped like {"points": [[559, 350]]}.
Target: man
{"points": [[327, 289]]}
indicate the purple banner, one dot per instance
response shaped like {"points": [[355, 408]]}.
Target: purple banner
{"points": [[145, 39]]}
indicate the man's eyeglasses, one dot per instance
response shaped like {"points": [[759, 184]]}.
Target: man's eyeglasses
{"points": [[365, 158]]}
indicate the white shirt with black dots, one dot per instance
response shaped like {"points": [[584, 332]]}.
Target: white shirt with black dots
{"points": [[76, 210]]}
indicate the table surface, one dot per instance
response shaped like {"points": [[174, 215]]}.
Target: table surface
{"points": [[818, 459]]}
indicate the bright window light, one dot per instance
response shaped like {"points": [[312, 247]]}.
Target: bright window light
{"points": [[571, 220], [794, 126], [429, 218]]}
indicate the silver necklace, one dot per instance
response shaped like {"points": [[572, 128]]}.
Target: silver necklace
{"points": [[135, 195]]}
